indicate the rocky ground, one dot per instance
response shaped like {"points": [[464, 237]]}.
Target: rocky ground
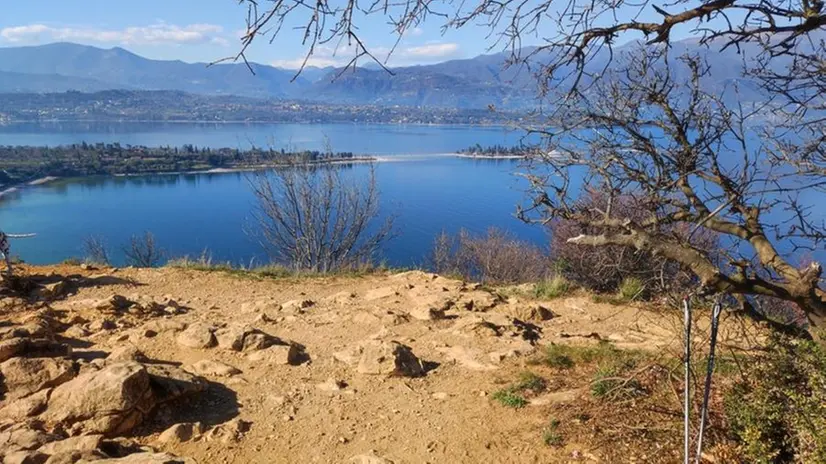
{"points": [[172, 365]]}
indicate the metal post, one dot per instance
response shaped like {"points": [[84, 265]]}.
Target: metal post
{"points": [[687, 391], [715, 324]]}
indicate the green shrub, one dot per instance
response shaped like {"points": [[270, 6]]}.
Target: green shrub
{"points": [[551, 435], [72, 261], [631, 289], [530, 381], [507, 397], [558, 356], [777, 410], [553, 288], [514, 395]]}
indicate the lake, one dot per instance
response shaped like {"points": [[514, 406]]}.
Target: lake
{"points": [[426, 190]]}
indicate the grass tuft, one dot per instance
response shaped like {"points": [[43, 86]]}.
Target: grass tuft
{"points": [[553, 288], [551, 435], [508, 398]]}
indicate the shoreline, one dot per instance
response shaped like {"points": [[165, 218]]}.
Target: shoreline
{"points": [[254, 122], [32, 183], [356, 160]]}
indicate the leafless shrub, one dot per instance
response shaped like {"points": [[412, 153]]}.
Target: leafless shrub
{"points": [[313, 219], [495, 257], [142, 251], [96, 250]]}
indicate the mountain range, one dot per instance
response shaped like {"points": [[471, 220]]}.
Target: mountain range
{"points": [[468, 83]]}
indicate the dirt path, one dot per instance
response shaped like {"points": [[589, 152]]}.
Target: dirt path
{"points": [[318, 408]]}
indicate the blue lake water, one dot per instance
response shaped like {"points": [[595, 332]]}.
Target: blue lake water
{"points": [[426, 191]]}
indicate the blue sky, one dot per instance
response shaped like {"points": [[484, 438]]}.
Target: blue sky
{"points": [[206, 30]]}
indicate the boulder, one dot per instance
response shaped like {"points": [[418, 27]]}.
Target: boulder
{"points": [[114, 303], [277, 354], [232, 337], [24, 457], [238, 337], [258, 341], [126, 352], [77, 444], [52, 291], [180, 433], [21, 437], [197, 335], [29, 406], [11, 348], [213, 368], [110, 401], [389, 358], [24, 376], [171, 382]]}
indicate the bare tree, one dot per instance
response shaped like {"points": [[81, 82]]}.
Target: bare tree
{"points": [[142, 251], [643, 125], [312, 218], [96, 250]]}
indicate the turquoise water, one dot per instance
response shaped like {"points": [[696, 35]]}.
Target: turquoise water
{"points": [[426, 191]]}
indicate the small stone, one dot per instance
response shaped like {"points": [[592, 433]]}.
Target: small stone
{"points": [[297, 306], [277, 354], [213, 368], [180, 433], [197, 335], [440, 395], [389, 358], [101, 324], [427, 313], [24, 376], [126, 353], [82, 443], [228, 432], [331, 385], [75, 331]]}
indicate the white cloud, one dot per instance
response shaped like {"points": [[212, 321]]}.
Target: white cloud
{"points": [[415, 32], [402, 56], [155, 34], [438, 50]]}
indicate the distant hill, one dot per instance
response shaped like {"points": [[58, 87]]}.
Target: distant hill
{"points": [[117, 68], [468, 83], [471, 83]]}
